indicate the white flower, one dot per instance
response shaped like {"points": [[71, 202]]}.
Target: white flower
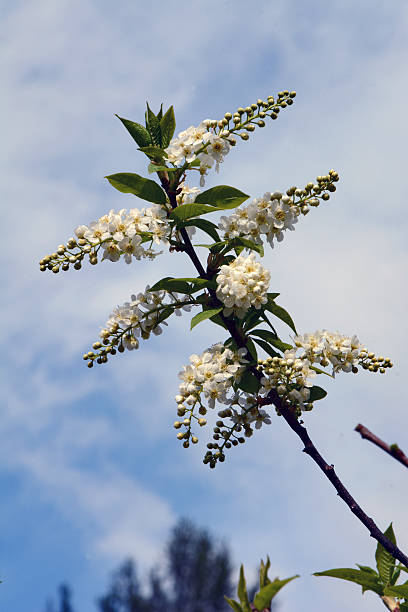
{"points": [[325, 348], [242, 284], [269, 216]]}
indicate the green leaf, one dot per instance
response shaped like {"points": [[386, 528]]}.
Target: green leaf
{"points": [[160, 113], [234, 604], [155, 153], [400, 590], [202, 316], [366, 568], [152, 167], [242, 591], [385, 560], [249, 383], [403, 607], [165, 314], [251, 350], [367, 581], [272, 296], [267, 593], [139, 133], [316, 393], [222, 197], [395, 576], [167, 127], [319, 371], [244, 243], [206, 226], [267, 348], [281, 313], [153, 127], [127, 182], [171, 284], [187, 211], [263, 573], [251, 319], [270, 337]]}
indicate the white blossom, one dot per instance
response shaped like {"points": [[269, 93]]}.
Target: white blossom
{"points": [[270, 215], [242, 284]]}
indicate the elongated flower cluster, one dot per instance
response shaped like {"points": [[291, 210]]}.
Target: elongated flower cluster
{"points": [[143, 315], [209, 377], [242, 284], [343, 353], [274, 213], [201, 144], [128, 234]]}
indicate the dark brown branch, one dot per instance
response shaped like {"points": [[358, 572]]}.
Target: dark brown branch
{"points": [[328, 471], [392, 449], [292, 421]]}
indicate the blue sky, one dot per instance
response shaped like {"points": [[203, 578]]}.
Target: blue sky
{"points": [[90, 468]]}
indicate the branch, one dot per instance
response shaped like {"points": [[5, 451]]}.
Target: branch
{"points": [[392, 449], [328, 471]]}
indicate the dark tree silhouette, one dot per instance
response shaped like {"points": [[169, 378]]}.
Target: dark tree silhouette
{"points": [[65, 594], [194, 577], [124, 594]]}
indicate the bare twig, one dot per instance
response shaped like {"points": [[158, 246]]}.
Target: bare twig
{"points": [[391, 449]]}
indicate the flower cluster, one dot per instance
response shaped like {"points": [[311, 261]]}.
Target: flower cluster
{"points": [[143, 315], [201, 144], [290, 375], [210, 375], [274, 213], [130, 234], [343, 353], [242, 284]]}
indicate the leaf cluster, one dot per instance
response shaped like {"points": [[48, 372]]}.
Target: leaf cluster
{"points": [[381, 581], [263, 598]]}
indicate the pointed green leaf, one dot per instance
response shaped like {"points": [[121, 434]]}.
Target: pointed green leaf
{"points": [[155, 153], [202, 316], [364, 579], [206, 226], [222, 197], [127, 182], [251, 350], [242, 591], [267, 348], [153, 127], [160, 113], [139, 133], [251, 318], [270, 337], [249, 383], [400, 590], [385, 560], [171, 284], [263, 573], [395, 576], [167, 127], [234, 604], [281, 313], [316, 393], [267, 593], [187, 211]]}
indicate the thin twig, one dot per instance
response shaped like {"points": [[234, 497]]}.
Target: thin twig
{"points": [[392, 449]]}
